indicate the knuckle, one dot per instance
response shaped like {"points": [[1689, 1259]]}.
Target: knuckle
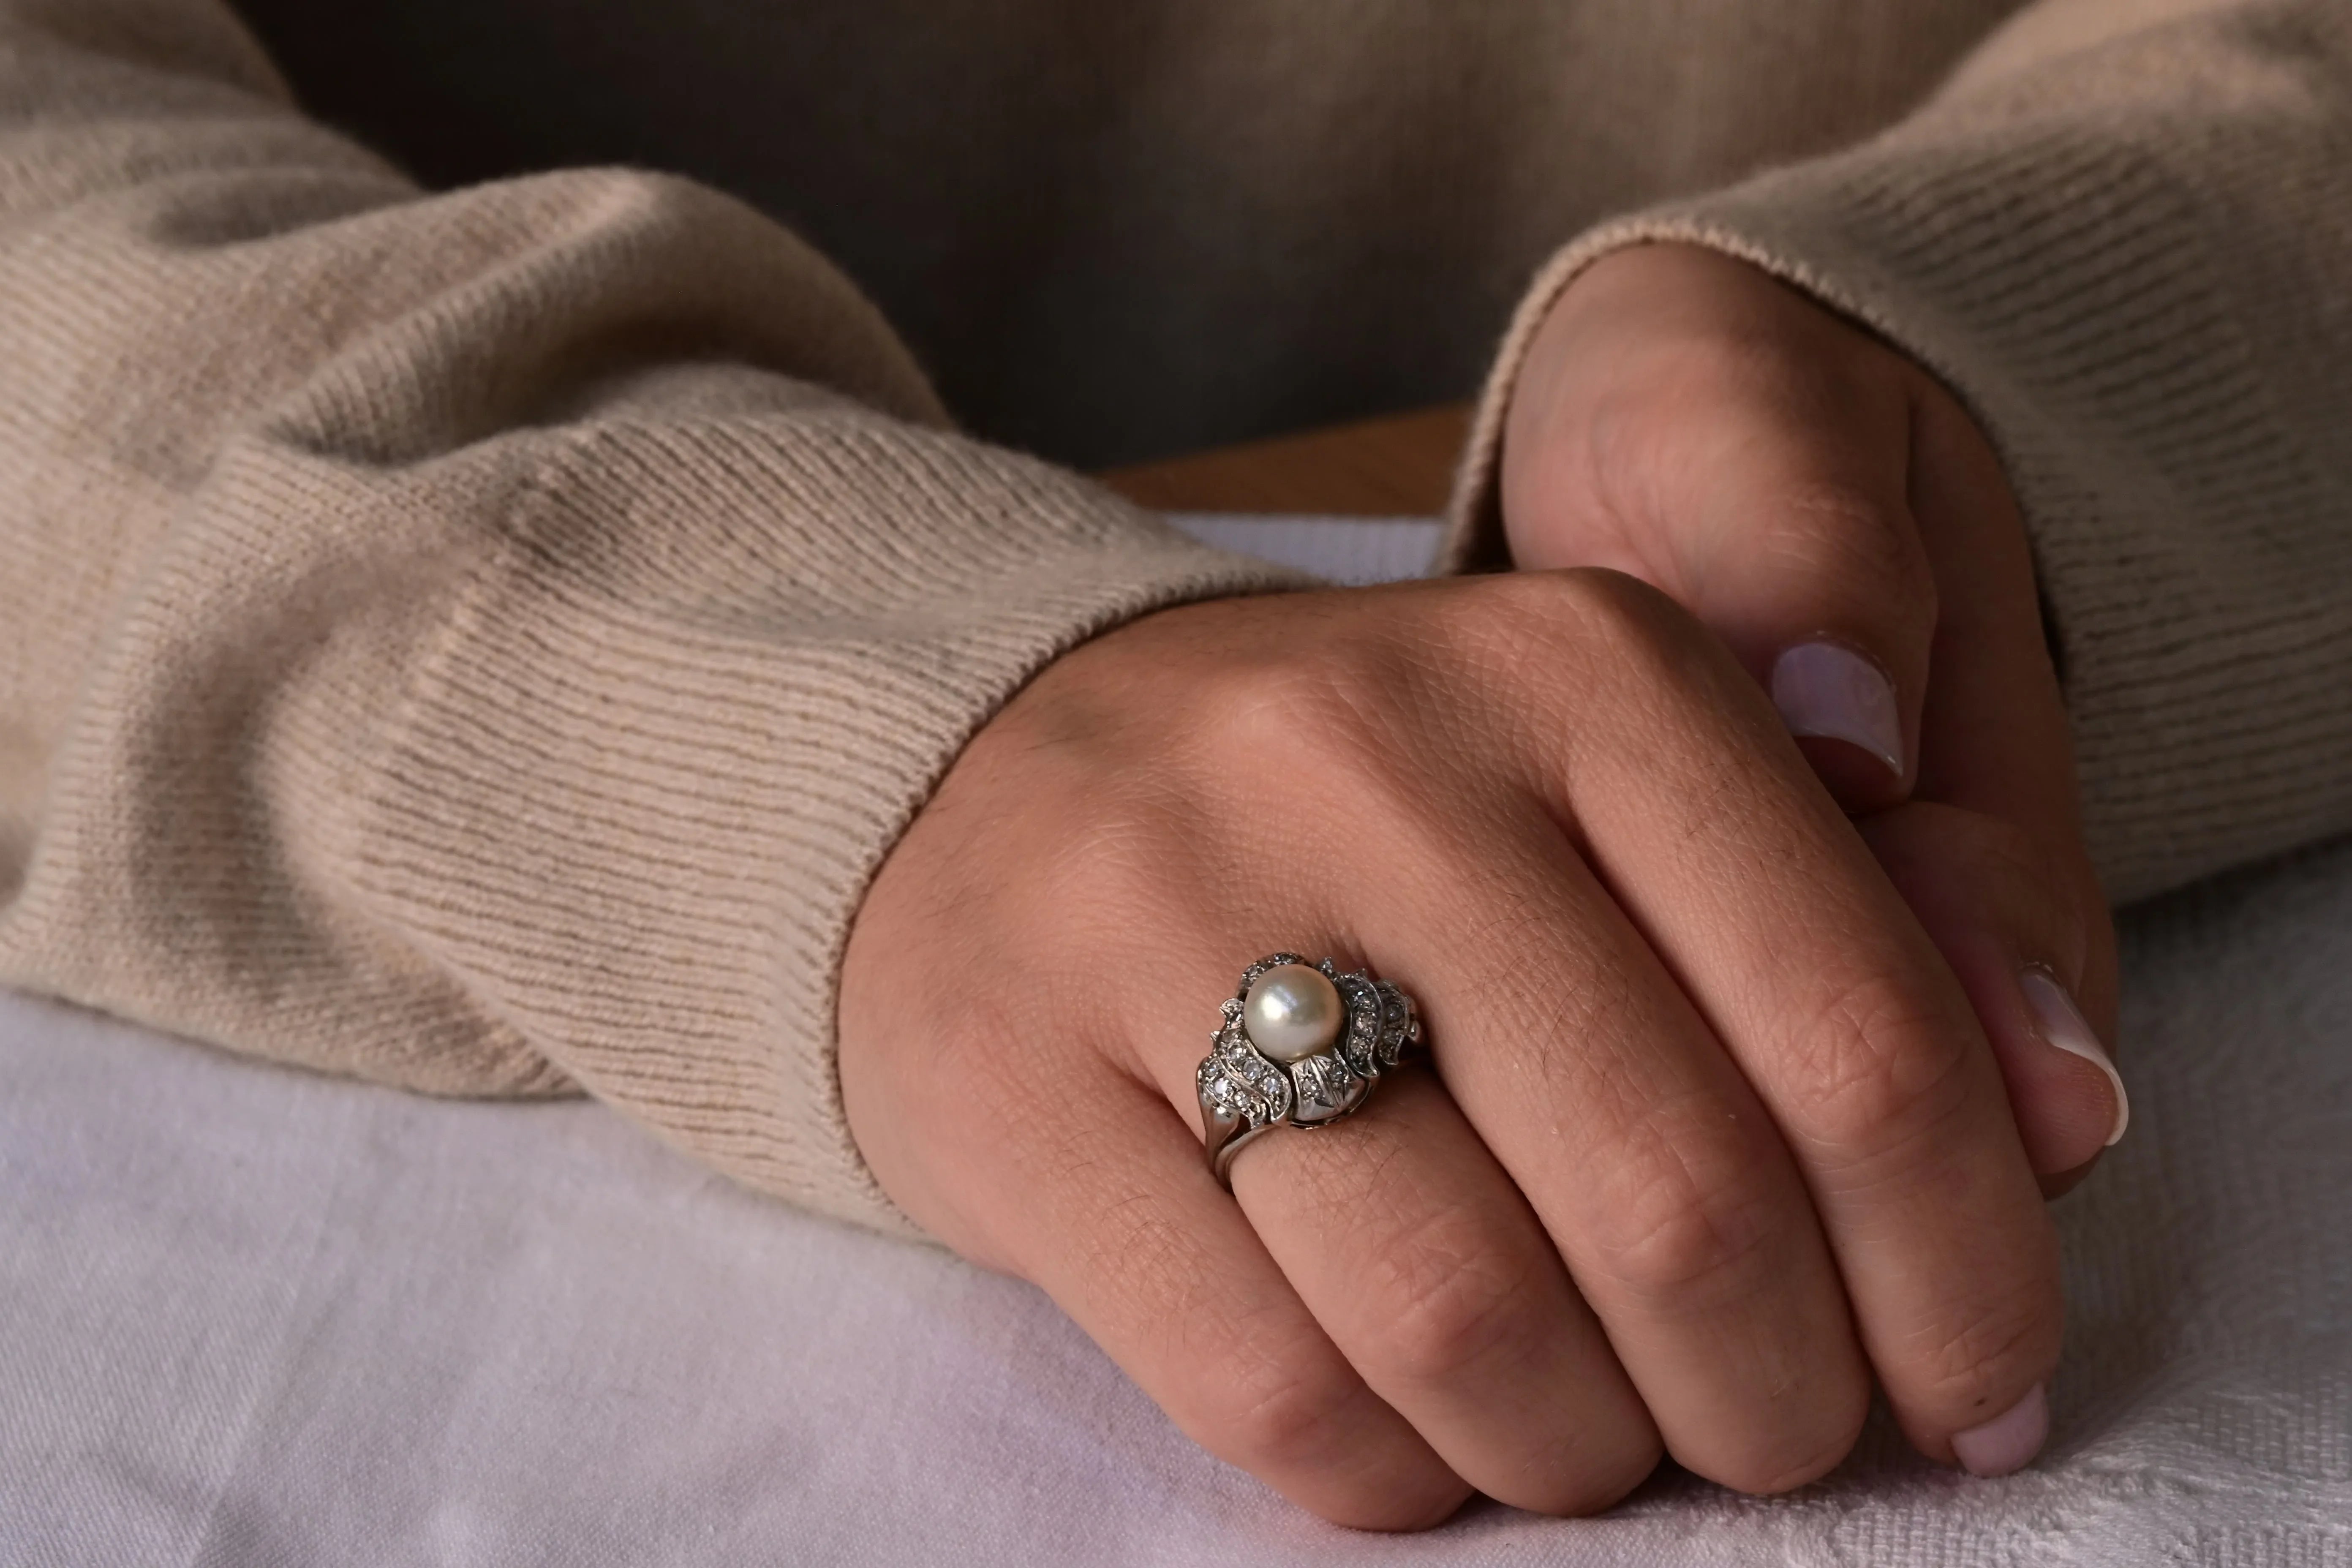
{"points": [[1334, 704], [1450, 1310], [1805, 431], [1614, 606], [1883, 1068], [1683, 1252], [1676, 1237], [1588, 616]]}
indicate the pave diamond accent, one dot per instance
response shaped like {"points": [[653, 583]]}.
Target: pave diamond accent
{"points": [[1359, 1045], [1400, 1023], [1236, 1078], [1251, 1092], [1327, 1089]]}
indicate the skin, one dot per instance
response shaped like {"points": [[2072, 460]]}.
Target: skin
{"points": [[1789, 477], [1731, 1106]]}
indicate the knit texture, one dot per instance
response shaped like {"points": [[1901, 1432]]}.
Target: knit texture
{"points": [[487, 641], [484, 642]]}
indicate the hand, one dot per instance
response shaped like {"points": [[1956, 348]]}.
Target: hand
{"points": [[1838, 519], [1712, 1133]]}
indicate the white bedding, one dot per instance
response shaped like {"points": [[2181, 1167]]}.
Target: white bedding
{"points": [[253, 1317]]}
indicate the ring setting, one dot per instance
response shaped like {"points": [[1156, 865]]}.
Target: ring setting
{"points": [[1301, 1046]]}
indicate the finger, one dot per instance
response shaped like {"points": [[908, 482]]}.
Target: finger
{"points": [[1135, 1240], [1648, 1160], [1761, 481], [1766, 906], [1787, 532], [1816, 477], [1424, 1264], [1652, 1166], [1994, 735], [1647, 1156], [1983, 890]]}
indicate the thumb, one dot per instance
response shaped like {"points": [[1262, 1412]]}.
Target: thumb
{"points": [[1797, 544], [1757, 470]]}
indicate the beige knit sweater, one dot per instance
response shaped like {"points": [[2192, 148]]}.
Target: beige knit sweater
{"points": [[486, 641]]}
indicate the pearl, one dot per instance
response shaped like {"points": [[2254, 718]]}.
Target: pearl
{"points": [[1291, 1012]]}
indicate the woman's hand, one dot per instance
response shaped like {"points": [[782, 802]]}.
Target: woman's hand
{"points": [[1712, 1133], [1830, 510]]}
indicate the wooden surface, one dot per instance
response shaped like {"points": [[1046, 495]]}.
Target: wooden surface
{"points": [[1400, 464]]}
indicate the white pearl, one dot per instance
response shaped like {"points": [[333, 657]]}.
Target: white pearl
{"points": [[1291, 1012]]}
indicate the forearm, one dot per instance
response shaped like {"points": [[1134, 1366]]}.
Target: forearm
{"points": [[483, 641]]}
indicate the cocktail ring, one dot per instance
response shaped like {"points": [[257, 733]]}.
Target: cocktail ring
{"points": [[1301, 1046]]}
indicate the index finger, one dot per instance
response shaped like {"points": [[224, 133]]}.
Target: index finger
{"points": [[1994, 736]]}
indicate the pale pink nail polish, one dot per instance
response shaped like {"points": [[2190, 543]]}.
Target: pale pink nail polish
{"points": [[2062, 1025], [2008, 1441], [1823, 689]]}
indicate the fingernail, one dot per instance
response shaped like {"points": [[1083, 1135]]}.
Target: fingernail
{"points": [[2063, 1026], [2007, 1442], [1823, 689]]}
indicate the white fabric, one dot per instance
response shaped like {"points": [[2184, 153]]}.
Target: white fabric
{"points": [[253, 1317], [1350, 550]]}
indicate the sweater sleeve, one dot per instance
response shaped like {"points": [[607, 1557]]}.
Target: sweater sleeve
{"points": [[2123, 235], [482, 642]]}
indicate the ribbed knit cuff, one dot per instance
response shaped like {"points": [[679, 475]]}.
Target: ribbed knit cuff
{"points": [[678, 720], [2113, 320]]}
